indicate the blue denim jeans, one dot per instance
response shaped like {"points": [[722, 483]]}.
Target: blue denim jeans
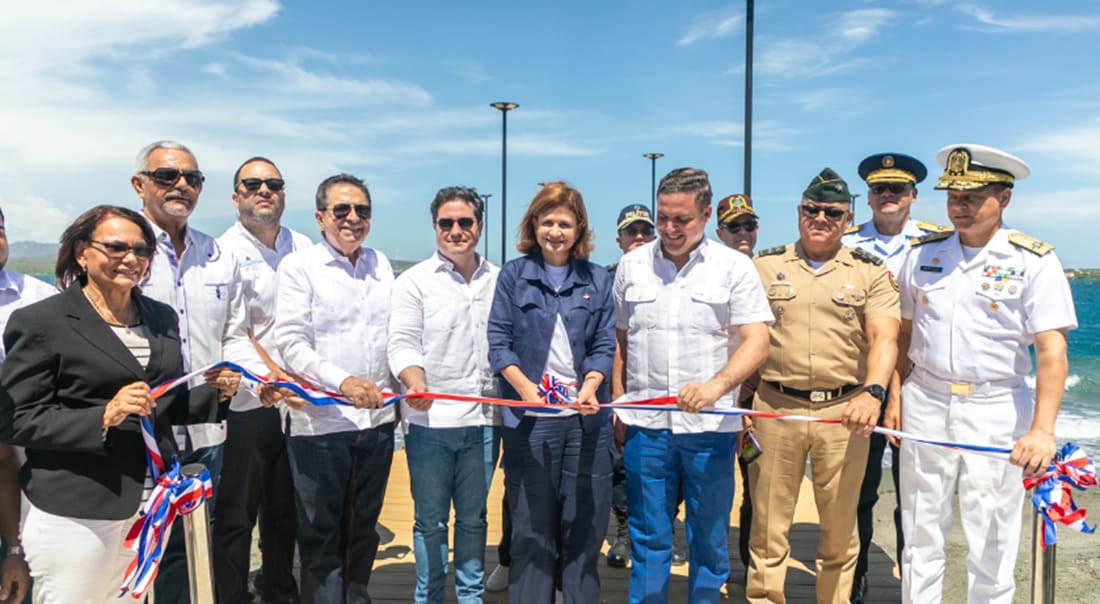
{"points": [[450, 465], [339, 485], [657, 461]]}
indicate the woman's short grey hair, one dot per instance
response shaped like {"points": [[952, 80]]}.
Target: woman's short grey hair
{"points": [[147, 150]]}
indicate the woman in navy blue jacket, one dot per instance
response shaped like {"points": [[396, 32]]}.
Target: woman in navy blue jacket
{"points": [[552, 315]]}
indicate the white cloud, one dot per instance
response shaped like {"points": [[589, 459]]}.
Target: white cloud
{"points": [[34, 218], [858, 26], [712, 25], [1031, 23], [1077, 144], [331, 90], [767, 135], [805, 57]]}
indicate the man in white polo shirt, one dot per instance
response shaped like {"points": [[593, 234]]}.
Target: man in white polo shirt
{"points": [[692, 323], [438, 342], [331, 311]]}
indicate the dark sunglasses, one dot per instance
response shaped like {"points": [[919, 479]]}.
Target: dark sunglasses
{"points": [[117, 250], [446, 224], [812, 211], [167, 177], [273, 184], [340, 211], [897, 188], [736, 227], [633, 231]]}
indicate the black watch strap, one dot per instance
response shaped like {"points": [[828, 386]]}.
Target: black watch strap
{"points": [[876, 391]]}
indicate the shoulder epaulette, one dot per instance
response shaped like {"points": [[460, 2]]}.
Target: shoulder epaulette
{"points": [[929, 238], [866, 256], [772, 251], [932, 227], [1030, 244], [852, 229]]}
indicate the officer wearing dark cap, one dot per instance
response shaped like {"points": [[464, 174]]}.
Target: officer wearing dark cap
{"points": [[737, 223], [832, 351], [891, 191]]}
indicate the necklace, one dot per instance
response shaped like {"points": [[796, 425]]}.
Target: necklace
{"points": [[105, 313]]}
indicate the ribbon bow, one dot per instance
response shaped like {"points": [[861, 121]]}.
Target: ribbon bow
{"points": [[1053, 497], [554, 391], [173, 495]]}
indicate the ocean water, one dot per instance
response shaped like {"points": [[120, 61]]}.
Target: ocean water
{"points": [[1079, 419]]}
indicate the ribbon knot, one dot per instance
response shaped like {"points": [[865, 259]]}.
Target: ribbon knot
{"points": [[1053, 495], [554, 391]]}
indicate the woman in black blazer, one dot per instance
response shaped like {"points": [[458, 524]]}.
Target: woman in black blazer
{"points": [[75, 380]]}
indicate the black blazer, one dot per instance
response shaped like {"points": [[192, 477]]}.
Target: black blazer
{"points": [[63, 365]]}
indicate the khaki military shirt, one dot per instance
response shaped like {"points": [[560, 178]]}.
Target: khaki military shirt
{"points": [[818, 340]]}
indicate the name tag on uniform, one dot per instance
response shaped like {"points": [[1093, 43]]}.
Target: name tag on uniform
{"points": [[931, 269]]}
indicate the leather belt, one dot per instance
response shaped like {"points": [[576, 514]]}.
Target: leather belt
{"points": [[814, 396]]}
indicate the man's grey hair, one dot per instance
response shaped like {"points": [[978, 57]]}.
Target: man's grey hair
{"points": [[687, 180], [147, 150]]}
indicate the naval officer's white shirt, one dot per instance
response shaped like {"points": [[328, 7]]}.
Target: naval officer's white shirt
{"points": [[16, 291], [203, 286], [892, 251], [330, 324], [678, 326], [257, 264], [974, 320], [438, 322]]}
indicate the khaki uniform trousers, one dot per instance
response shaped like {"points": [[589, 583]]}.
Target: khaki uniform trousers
{"points": [[837, 460]]}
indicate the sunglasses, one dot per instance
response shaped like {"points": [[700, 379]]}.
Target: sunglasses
{"points": [[812, 211], [897, 188], [167, 177], [736, 227], [341, 211], [633, 231], [116, 250], [446, 224], [273, 184]]}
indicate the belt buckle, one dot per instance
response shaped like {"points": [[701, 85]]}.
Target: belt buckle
{"points": [[961, 389], [818, 396]]}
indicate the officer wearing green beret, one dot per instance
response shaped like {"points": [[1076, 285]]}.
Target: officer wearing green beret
{"points": [[832, 351]]}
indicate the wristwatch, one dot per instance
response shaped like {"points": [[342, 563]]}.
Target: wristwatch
{"points": [[876, 391], [14, 550]]}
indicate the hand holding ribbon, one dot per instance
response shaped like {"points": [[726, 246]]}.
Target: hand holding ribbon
{"points": [[1053, 496]]}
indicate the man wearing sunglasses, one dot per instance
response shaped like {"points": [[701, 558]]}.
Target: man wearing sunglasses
{"points": [[973, 303], [195, 275], [255, 450], [891, 190], [331, 314], [438, 342], [833, 349], [737, 223]]}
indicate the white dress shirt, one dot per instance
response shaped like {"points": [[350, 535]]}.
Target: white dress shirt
{"points": [[681, 327], [330, 324], [257, 264], [868, 239], [204, 287], [438, 323], [973, 321], [16, 291]]}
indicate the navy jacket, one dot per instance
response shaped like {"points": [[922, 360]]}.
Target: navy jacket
{"points": [[521, 324]]}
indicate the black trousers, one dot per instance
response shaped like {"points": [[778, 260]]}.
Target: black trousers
{"points": [[868, 497], [745, 524], [256, 472]]}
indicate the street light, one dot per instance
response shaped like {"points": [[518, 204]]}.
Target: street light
{"points": [[749, 10], [653, 157], [504, 107], [485, 220]]}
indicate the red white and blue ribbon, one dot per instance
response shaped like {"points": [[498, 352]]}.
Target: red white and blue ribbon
{"points": [[554, 391], [1053, 494]]}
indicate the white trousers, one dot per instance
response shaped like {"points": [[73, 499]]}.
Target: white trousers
{"points": [[74, 560], [990, 491]]}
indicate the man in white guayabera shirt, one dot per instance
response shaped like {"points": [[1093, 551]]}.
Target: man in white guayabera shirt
{"points": [[331, 311], [256, 461], [438, 343], [692, 322], [193, 274]]}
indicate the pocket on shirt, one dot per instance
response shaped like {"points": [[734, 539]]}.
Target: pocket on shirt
{"points": [[710, 308]]}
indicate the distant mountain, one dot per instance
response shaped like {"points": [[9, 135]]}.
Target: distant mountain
{"points": [[32, 249]]}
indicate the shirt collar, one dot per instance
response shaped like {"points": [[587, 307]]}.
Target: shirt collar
{"points": [[164, 239], [282, 239], [7, 283], [700, 251], [339, 257], [534, 269], [441, 262]]}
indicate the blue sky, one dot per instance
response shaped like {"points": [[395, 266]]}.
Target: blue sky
{"points": [[398, 94]]}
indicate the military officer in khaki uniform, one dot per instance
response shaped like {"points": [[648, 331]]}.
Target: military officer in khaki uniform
{"points": [[832, 351]]}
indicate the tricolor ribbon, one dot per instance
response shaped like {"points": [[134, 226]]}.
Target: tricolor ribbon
{"points": [[1053, 494], [554, 391]]}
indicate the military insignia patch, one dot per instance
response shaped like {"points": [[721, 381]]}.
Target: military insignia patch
{"points": [[893, 281], [887, 161], [772, 251], [866, 256], [929, 238], [1030, 244]]}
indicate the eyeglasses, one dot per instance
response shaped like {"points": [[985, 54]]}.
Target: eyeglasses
{"points": [[633, 231], [340, 211], [116, 250], [167, 177], [273, 184], [897, 188], [446, 224], [812, 211], [736, 227]]}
